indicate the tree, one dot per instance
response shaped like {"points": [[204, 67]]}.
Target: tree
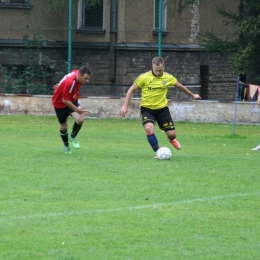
{"points": [[244, 50]]}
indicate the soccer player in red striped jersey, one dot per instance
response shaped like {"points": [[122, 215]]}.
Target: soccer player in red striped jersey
{"points": [[66, 103]]}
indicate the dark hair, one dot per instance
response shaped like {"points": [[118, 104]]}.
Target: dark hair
{"points": [[157, 61], [85, 70]]}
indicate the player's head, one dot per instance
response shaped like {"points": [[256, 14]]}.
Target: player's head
{"points": [[158, 66], [84, 74]]}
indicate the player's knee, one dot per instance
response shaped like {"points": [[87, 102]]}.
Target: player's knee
{"points": [[171, 134], [64, 127], [80, 121], [149, 128]]}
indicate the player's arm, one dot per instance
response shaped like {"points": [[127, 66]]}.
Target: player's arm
{"points": [[128, 97], [69, 104], [66, 96], [179, 86]]}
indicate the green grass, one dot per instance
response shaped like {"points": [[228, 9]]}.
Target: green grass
{"points": [[112, 200]]}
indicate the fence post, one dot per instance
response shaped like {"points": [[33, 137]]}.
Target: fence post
{"points": [[235, 107], [160, 29], [70, 35]]}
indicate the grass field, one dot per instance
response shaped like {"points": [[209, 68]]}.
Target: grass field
{"points": [[112, 200]]}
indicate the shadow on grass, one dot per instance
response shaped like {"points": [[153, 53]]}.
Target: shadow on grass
{"points": [[235, 136]]}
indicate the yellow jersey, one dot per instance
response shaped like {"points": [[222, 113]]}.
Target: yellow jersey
{"points": [[154, 89]]}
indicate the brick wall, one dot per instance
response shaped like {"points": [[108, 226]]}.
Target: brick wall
{"points": [[185, 65]]}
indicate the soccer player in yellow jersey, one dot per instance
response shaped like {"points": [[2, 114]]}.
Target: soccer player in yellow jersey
{"points": [[154, 85]]}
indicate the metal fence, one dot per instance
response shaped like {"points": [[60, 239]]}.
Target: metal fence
{"points": [[40, 42]]}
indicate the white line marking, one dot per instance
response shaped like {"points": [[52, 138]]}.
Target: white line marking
{"points": [[130, 208]]}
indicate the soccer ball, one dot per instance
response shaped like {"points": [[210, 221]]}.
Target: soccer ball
{"points": [[164, 153]]}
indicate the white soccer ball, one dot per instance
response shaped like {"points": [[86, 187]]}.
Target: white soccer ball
{"points": [[164, 153]]}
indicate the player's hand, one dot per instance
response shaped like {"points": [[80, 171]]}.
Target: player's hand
{"points": [[55, 86], [258, 101], [123, 111], [196, 96], [82, 110]]}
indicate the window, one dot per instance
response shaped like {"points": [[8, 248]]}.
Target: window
{"points": [[15, 1], [156, 15], [90, 17], [12, 4], [18, 1]]}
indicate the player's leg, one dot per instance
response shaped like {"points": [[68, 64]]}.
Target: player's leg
{"points": [[171, 134], [148, 121], [166, 123], [62, 115], [64, 137], [256, 148], [79, 119]]}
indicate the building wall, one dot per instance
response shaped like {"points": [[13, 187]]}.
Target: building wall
{"points": [[135, 26], [134, 21], [182, 26], [190, 111]]}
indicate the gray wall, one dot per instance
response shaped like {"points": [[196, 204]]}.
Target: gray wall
{"points": [[191, 111]]}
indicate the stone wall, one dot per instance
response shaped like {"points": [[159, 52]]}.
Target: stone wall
{"points": [[98, 107]]}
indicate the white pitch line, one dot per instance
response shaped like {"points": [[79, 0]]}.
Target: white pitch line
{"points": [[129, 208]]}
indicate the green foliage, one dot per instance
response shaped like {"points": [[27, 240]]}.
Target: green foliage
{"points": [[230, 17], [36, 70], [10, 82], [33, 76], [245, 44], [38, 73], [111, 200], [214, 44]]}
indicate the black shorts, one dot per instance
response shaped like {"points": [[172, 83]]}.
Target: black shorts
{"points": [[64, 113], [161, 116]]}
